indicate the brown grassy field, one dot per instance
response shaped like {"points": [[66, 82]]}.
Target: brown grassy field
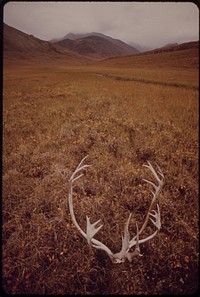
{"points": [[121, 117]]}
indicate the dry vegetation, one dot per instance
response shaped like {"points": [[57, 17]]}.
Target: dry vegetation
{"points": [[52, 117]]}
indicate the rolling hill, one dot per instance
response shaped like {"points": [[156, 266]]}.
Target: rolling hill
{"points": [[19, 45], [175, 47], [184, 55]]}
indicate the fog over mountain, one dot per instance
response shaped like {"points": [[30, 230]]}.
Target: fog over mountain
{"points": [[142, 25]]}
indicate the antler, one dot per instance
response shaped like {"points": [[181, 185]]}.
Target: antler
{"points": [[155, 214], [91, 230], [127, 244]]}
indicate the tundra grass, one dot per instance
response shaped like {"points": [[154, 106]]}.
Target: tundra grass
{"points": [[52, 118], [154, 82]]}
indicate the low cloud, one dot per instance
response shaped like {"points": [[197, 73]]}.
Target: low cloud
{"points": [[148, 24]]}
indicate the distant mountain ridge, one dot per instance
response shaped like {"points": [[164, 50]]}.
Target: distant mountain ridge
{"points": [[95, 44], [118, 42], [97, 47], [18, 45]]}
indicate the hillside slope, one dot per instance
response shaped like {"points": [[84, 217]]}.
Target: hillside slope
{"points": [[93, 46], [19, 45], [175, 47], [96, 44], [183, 55]]}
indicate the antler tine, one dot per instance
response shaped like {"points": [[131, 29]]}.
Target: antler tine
{"points": [[156, 223], [155, 195], [120, 257], [160, 171], [156, 215], [151, 183], [152, 170], [79, 168], [137, 247], [91, 230]]}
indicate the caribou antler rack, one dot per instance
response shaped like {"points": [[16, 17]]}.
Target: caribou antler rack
{"points": [[153, 215]]}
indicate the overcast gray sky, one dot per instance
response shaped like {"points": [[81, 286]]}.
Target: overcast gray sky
{"points": [[151, 24]]}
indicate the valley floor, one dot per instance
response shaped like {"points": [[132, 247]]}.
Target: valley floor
{"points": [[121, 117]]}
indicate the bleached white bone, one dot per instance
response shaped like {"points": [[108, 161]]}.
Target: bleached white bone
{"points": [[127, 244]]}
